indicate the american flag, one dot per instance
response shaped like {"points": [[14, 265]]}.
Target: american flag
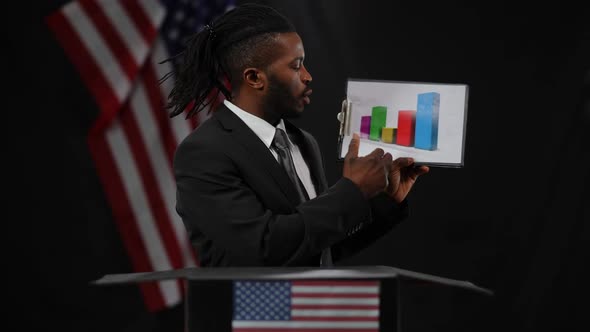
{"points": [[116, 46], [306, 306]]}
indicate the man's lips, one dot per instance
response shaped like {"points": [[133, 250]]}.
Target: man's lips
{"points": [[306, 95]]}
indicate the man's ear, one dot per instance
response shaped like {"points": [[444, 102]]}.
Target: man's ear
{"points": [[254, 78]]}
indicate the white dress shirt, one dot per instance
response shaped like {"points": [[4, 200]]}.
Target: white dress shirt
{"points": [[266, 132]]}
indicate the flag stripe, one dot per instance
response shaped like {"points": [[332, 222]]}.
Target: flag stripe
{"points": [[342, 301], [156, 173], [338, 318], [126, 30], [127, 225], [143, 23], [134, 189], [153, 10], [91, 74], [156, 132], [161, 118], [333, 313], [302, 329], [195, 121], [335, 306], [111, 38], [336, 295], [180, 127], [304, 324], [333, 291], [114, 78], [172, 132], [98, 50], [336, 283], [155, 205]]}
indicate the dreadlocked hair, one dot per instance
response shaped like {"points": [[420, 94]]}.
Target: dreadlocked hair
{"points": [[215, 57]]}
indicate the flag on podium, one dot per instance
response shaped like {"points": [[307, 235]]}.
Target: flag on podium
{"points": [[117, 46], [306, 305]]}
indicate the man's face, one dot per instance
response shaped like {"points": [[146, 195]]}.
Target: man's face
{"points": [[288, 89]]}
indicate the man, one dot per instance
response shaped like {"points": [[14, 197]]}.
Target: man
{"points": [[251, 188]]}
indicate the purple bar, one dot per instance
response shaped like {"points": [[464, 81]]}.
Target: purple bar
{"points": [[365, 126]]}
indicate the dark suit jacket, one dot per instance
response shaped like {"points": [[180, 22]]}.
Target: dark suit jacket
{"points": [[241, 209]]}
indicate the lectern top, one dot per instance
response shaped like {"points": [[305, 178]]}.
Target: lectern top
{"points": [[286, 273]]}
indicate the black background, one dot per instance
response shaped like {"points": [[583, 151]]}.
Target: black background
{"points": [[514, 218]]}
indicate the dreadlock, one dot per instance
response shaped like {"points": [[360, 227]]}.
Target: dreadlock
{"points": [[242, 37]]}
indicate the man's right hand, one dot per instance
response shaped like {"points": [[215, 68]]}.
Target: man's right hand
{"points": [[370, 172]]}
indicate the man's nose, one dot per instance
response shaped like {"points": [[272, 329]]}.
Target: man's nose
{"points": [[306, 78]]}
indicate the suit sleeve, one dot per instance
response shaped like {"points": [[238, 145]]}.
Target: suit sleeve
{"points": [[215, 202], [385, 214]]}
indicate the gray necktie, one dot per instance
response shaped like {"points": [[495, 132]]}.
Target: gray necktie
{"points": [[281, 145]]}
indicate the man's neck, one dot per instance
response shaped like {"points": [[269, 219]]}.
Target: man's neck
{"points": [[256, 108]]}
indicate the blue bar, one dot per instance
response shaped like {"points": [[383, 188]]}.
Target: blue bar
{"points": [[426, 134]]}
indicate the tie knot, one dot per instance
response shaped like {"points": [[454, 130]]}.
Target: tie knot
{"points": [[280, 140]]}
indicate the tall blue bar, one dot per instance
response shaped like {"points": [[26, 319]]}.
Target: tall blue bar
{"points": [[426, 133]]}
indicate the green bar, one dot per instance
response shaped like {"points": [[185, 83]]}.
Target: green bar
{"points": [[378, 116]]}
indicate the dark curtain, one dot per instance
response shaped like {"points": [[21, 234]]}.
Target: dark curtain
{"points": [[513, 219]]}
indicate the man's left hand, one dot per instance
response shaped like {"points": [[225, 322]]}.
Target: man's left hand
{"points": [[402, 176]]}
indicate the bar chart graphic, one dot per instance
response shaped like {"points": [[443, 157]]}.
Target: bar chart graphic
{"points": [[425, 121], [415, 128]]}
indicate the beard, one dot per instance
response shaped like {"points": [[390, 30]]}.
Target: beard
{"points": [[280, 102]]}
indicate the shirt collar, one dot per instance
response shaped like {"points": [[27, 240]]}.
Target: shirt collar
{"points": [[264, 130]]}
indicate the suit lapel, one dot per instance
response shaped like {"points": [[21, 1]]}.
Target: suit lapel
{"points": [[256, 151]]}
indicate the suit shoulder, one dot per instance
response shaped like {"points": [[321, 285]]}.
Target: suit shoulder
{"points": [[300, 132], [308, 135], [207, 133], [209, 136]]}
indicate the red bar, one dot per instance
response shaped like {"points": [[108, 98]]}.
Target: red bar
{"points": [[406, 122]]}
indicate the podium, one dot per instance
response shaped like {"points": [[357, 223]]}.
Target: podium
{"points": [[271, 299]]}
